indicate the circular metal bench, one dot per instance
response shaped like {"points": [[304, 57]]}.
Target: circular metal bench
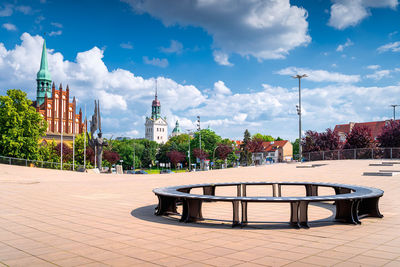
{"points": [[352, 202]]}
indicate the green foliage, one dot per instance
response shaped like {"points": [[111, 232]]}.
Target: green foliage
{"points": [[245, 155], [144, 151], [21, 126], [265, 138], [209, 141], [295, 145]]}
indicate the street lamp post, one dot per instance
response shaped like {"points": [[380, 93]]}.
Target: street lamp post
{"points": [[299, 77], [190, 163], [394, 111], [214, 156], [199, 129]]}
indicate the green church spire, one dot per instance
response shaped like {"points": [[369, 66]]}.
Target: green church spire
{"points": [[43, 78]]}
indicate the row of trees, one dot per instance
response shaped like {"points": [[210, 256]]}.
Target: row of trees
{"points": [[359, 137], [22, 128]]}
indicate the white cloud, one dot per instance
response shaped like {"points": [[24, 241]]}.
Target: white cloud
{"points": [[343, 46], [175, 47], [379, 74], [55, 33], [9, 27], [221, 58], [345, 13], [394, 47], [127, 45], [112, 101], [264, 29], [373, 67], [221, 89], [320, 75], [126, 98], [163, 62], [56, 24]]}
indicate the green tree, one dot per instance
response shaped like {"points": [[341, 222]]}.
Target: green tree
{"points": [[245, 155], [265, 138], [21, 126], [295, 145], [209, 141]]}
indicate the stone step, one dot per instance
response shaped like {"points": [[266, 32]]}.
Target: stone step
{"points": [[380, 164], [381, 173]]}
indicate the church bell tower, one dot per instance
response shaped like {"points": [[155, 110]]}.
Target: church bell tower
{"points": [[43, 79]]}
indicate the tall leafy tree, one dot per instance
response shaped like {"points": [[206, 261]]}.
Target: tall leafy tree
{"points": [[328, 140], [209, 141], [390, 136], [265, 138], [245, 154], [66, 151], [223, 151], [21, 126], [359, 137], [255, 145], [310, 141], [176, 157]]}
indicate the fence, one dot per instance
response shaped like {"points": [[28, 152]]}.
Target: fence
{"points": [[39, 164], [357, 153]]}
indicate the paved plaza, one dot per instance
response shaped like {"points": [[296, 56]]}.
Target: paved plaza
{"points": [[50, 217]]}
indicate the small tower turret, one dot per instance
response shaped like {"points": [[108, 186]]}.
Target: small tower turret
{"points": [[156, 107], [43, 78]]}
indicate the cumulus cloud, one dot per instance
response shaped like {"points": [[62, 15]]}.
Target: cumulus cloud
{"points": [[264, 29], [159, 62], [341, 47], [126, 98], [175, 47], [221, 89], [9, 27], [394, 47], [345, 13], [221, 58], [379, 74], [320, 75]]}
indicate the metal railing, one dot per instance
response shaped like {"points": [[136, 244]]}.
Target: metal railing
{"points": [[356, 153], [39, 164]]}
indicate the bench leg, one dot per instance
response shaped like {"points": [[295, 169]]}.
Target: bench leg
{"points": [[311, 190], [294, 214], [369, 208], [166, 205], [346, 210], [191, 210], [235, 220], [244, 213], [299, 214], [303, 217]]}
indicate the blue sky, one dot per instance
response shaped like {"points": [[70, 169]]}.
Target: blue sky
{"points": [[229, 61]]}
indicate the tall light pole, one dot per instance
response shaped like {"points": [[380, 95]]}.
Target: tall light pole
{"points": [[299, 77], [190, 163], [394, 111], [62, 129], [84, 142], [199, 129]]}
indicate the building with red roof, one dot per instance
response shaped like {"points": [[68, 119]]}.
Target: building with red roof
{"points": [[376, 128]]}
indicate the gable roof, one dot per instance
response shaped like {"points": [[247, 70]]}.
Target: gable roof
{"points": [[274, 145], [376, 127]]}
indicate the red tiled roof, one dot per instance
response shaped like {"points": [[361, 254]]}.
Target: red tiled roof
{"points": [[274, 145], [376, 127]]}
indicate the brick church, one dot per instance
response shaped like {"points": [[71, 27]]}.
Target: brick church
{"points": [[55, 106]]}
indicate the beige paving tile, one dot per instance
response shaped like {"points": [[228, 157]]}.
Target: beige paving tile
{"points": [[74, 219]]}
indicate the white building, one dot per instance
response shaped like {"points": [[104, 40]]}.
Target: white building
{"points": [[156, 127]]}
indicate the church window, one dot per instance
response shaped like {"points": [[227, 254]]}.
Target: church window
{"points": [[42, 84]]}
